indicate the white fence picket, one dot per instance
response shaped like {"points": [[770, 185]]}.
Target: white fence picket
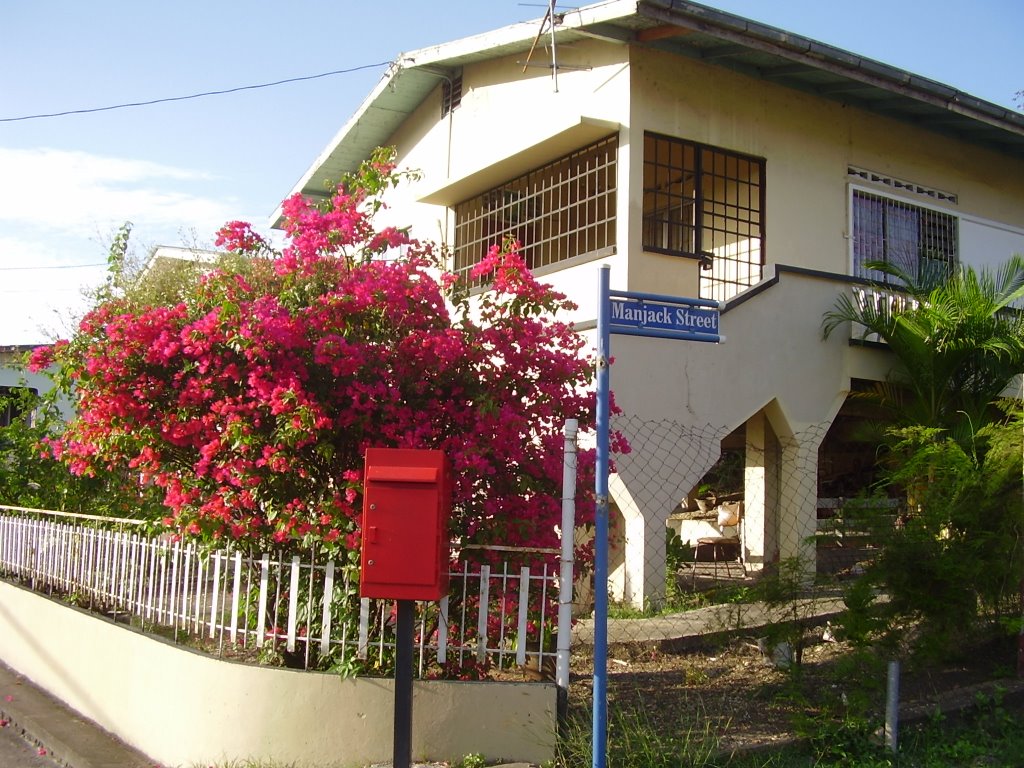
{"points": [[151, 586], [236, 596], [261, 621], [293, 604], [363, 645], [172, 597], [183, 588], [197, 598], [325, 617], [216, 594]]}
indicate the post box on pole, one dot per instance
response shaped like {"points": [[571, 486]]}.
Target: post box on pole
{"points": [[405, 551]]}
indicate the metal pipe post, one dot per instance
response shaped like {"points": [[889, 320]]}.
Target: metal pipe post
{"points": [[892, 707], [600, 706], [565, 575], [402, 757]]}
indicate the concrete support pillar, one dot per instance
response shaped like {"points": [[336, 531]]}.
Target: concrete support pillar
{"points": [[638, 578], [663, 465], [798, 498], [758, 509]]}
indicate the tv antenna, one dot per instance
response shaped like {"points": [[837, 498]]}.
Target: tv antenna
{"points": [[552, 18]]}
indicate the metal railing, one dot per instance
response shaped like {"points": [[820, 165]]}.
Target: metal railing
{"points": [[884, 302]]}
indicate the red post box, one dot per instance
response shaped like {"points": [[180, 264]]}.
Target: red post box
{"points": [[406, 505]]}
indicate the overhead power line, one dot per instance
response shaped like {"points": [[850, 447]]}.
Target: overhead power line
{"points": [[54, 266], [192, 95]]}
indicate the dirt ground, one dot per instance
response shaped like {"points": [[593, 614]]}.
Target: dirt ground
{"points": [[735, 692]]}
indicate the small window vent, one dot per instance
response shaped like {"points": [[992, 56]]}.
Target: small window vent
{"points": [[901, 185], [451, 93]]}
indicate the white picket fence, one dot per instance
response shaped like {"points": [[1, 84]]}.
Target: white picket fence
{"points": [[266, 602]]}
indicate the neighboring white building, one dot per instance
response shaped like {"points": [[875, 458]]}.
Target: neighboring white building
{"points": [[699, 154], [164, 264], [13, 376]]}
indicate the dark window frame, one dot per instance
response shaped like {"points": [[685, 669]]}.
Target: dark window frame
{"points": [[9, 412], [698, 202]]}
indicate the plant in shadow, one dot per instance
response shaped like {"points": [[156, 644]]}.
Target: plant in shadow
{"points": [[784, 591]]}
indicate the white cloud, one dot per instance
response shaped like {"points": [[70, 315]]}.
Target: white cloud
{"points": [[60, 208], [40, 298], [82, 193]]}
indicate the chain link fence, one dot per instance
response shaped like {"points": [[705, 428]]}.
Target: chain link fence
{"points": [[699, 508], [703, 517]]}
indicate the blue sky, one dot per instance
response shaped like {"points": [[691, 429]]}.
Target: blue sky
{"points": [[179, 170]]}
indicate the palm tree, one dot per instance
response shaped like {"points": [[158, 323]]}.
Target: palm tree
{"points": [[958, 341], [956, 336]]}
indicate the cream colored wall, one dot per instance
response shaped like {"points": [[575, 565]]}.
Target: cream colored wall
{"points": [[808, 143], [774, 361], [505, 111], [183, 708]]}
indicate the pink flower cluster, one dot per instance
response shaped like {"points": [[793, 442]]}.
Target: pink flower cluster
{"points": [[251, 402]]}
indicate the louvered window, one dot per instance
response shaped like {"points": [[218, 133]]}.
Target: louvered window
{"points": [[451, 93]]}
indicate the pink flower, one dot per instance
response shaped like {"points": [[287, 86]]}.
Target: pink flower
{"points": [[251, 401], [237, 236]]}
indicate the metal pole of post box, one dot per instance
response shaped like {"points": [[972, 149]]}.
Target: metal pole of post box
{"points": [[403, 684]]}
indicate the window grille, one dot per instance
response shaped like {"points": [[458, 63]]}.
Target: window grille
{"points": [[922, 242], [556, 212], [705, 203]]}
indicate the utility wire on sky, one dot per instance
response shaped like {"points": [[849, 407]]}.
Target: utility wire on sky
{"points": [[54, 266], [193, 95]]}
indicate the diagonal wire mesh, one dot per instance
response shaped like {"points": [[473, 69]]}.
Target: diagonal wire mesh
{"points": [[703, 516]]}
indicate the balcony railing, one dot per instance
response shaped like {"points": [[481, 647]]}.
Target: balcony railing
{"points": [[884, 302]]}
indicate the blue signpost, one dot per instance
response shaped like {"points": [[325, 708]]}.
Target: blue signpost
{"points": [[630, 314]]}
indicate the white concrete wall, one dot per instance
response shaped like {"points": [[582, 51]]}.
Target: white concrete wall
{"points": [[183, 708]]}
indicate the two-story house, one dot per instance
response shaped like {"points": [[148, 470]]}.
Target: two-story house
{"points": [[698, 154]]}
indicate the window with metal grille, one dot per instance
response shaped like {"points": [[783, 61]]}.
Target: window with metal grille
{"points": [[451, 93], [920, 241], [556, 212], [705, 203]]}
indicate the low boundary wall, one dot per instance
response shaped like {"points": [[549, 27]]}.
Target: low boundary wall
{"points": [[181, 707]]}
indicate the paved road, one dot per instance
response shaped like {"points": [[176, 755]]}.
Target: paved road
{"points": [[16, 752]]}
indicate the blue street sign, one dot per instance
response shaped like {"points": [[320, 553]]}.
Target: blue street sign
{"points": [[630, 314], [678, 319]]}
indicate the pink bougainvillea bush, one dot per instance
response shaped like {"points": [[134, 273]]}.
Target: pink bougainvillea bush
{"points": [[250, 402]]}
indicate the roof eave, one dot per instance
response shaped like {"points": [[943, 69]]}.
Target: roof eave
{"points": [[651, 23]]}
